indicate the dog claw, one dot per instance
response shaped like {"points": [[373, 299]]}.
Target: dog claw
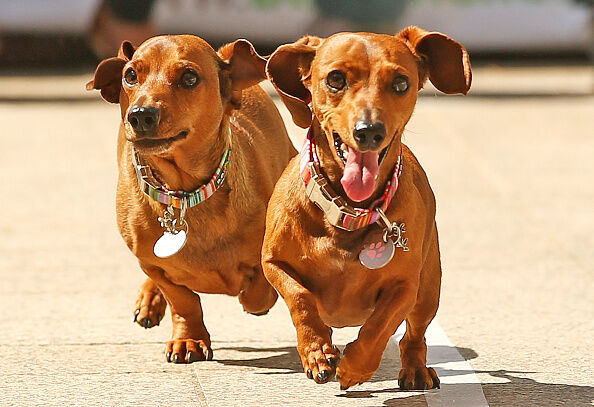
{"points": [[168, 356], [309, 374], [343, 387], [323, 376], [146, 323], [425, 386], [176, 358], [190, 357], [136, 315], [436, 383]]}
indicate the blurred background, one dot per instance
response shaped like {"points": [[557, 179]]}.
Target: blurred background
{"points": [[72, 32], [511, 165]]}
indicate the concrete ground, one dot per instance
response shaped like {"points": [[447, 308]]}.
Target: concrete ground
{"points": [[511, 166]]}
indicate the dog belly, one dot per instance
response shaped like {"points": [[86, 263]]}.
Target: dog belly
{"points": [[341, 320], [345, 310]]}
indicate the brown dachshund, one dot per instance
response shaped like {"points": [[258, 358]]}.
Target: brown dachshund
{"points": [[357, 197], [200, 149]]}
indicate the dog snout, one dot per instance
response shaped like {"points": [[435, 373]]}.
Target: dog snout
{"points": [[369, 136], [144, 119]]}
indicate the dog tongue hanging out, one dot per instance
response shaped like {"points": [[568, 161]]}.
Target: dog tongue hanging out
{"points": [[360, 172], [336, 247]]}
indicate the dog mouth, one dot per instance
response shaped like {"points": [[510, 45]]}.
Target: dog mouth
{"points": [[361, 169], [159, 143], [342, 150]]}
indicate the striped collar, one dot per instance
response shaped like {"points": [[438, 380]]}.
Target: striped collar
{"points": [[337, 211], [179, 199]]}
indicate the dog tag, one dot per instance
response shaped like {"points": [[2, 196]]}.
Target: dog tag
{"points": [[377, 254], [169, 244]]}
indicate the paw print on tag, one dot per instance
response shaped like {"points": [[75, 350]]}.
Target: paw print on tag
{"points": [[376, 250], [376, 254]]}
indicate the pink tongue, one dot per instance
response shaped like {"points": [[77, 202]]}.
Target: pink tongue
{"points": [[359, 175]]}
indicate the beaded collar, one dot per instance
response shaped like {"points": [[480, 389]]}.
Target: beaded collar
{"points": [[177, 198], [338, 212]]}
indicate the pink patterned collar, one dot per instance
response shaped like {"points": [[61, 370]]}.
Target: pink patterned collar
{"points": [[337, 211]]}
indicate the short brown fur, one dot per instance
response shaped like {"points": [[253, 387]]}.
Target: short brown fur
{"points": [[222, 254], [313, 265]]}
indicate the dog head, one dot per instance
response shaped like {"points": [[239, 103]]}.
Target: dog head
{"points": [[362, 88], [173, 91]]}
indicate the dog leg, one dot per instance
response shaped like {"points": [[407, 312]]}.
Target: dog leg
{"points": [[259, 296], [362, 357], [314, 342], [190, 341], [150, 305], [413, 349]]}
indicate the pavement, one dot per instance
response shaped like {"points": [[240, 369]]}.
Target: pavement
{"points": [[511, 166]]}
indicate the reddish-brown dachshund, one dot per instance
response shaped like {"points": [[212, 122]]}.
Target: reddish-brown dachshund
{"points": [[327, 249], [200, 148]]}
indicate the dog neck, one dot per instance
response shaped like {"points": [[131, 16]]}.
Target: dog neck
{"points": [[334, 170], [186, 168]]}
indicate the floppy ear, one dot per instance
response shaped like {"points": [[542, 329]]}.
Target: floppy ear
{"points": [[108, 75], [443, 60], [243, 67], [287, 67]]}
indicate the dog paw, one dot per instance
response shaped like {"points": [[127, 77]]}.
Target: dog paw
{"points": [[348, 376], [188, 351], [320, 361], [356, 367], [421, 378], [149, 308]]}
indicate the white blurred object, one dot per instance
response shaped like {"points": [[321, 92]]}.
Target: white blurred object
{"points": [[500, 25], [57, 16], [481, 25]]}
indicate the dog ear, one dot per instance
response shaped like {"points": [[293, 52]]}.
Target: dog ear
{"points": [[287, 67], [443, 60], [242, 66], [108, 75], [247, 67], [126, 51]]}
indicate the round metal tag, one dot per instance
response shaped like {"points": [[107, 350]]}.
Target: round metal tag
{"points": [[169, 244], [377, 254]]}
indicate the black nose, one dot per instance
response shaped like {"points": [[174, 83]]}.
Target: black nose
{"points": [[369, 136], [144, 119]]}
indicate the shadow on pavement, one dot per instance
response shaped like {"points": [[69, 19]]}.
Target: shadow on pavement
{"points": [[289, 361], [517, 391]]}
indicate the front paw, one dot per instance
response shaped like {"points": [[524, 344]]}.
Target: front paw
{"points": [[319, 361], [188, 350], [149, 308], [420, 378], [356, 367]]}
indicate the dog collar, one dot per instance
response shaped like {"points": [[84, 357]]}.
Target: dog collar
{"points": [[177, 198], [337, 211]]}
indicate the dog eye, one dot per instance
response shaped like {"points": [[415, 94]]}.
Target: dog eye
{"points": [[130, 77], [189, 79], [400, 84], [336, 80]]}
